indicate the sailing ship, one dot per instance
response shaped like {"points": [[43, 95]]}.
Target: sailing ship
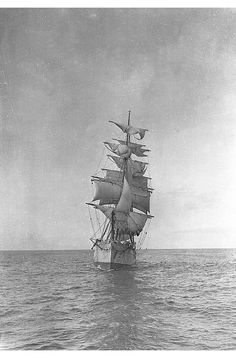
{"points": [[123, 196]]}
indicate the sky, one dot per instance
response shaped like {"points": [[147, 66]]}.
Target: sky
{"points": [[66, 72]]}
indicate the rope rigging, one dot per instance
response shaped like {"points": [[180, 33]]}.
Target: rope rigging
{"points": [[129, 223]]}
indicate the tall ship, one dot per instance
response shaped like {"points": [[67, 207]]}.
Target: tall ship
{"points": [[122, 195]]}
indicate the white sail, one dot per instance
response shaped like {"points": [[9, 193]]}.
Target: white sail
{"points": [[130, 129], [125, 151], [130, 144], [141, 183], [118, 193], [123, 208], [117, 160], [120, 149], [106, 192], [137, 168], [136, 222], [116, 177], [107, 211], [111, 146], [125, 201], [141, 203], [140, 152]]}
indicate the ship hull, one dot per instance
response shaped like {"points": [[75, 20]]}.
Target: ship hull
{"points": [[114, 255]]}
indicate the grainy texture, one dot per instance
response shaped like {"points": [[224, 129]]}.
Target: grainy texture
{"points": [[64, 73], [172, 299]]}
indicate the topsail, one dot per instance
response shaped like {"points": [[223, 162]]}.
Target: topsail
{"points": [[123, 193], [131, 130]]}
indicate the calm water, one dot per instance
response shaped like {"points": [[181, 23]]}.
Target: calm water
{"points": [[172, 299]]}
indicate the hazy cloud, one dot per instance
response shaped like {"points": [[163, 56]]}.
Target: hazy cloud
{"points": [[68, 71]]}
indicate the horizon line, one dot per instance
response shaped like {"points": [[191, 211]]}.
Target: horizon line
{"points": [[178, 248]]}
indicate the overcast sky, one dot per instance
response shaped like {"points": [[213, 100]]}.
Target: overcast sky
{"points": [[65, 73]]}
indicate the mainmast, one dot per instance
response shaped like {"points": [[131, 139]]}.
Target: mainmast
{"points": [[125, 175], [128, 135], [127, 143], [126, 164]]}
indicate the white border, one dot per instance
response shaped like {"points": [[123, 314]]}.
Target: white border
{"points": [[117, 4]]}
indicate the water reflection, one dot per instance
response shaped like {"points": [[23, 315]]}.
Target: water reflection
{"points": [[124, 318], [118, 313]]}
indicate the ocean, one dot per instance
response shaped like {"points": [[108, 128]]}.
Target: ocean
{"points": [[171, 300]]}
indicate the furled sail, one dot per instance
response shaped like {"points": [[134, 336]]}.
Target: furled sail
{"points": [[130, 144], [135, 148], [120, 149], [125, 151], [130, 129]]}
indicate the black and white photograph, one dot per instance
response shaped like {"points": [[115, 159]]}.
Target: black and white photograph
{"points": [[117, 179]]}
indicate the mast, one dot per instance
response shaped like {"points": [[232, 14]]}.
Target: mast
{"points": [[112, 226], [127, 188], [128, 135], [127, 143], [124, 174], [126, 162]]}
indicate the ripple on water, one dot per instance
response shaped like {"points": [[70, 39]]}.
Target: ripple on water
{"points": [[172, 299]]}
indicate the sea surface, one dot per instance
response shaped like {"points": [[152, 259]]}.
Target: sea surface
{"points": [[171, 300]]}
